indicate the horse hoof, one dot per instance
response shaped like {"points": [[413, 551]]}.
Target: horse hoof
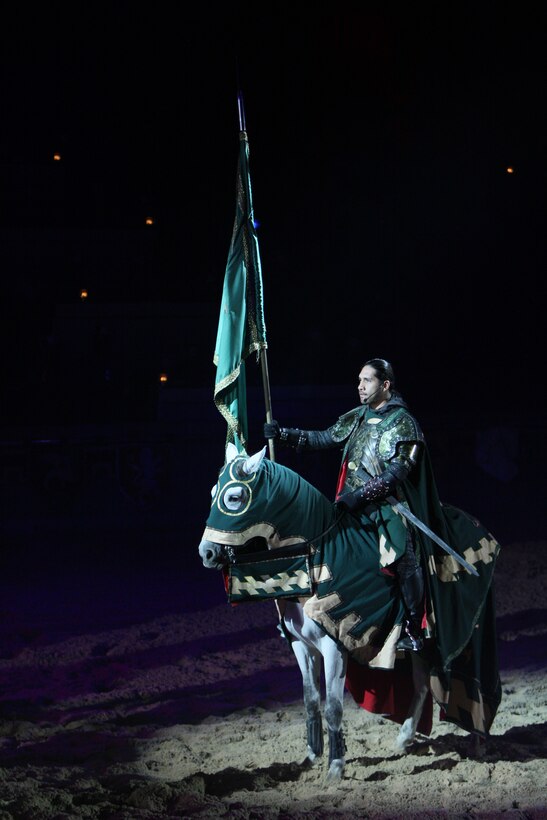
{"points": [[403, 747], [406, 737], [336, 770], [404, 743]]}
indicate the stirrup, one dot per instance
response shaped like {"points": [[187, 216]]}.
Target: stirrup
{"points": [[410, 642]]}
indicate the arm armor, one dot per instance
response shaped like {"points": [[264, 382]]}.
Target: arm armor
{"points": [[405, 458], [306, 439], [396, 471], [300, 439], [293, 437], [380, 486], [375, 489]]}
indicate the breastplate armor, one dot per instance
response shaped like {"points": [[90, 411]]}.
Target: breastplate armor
{"points": [[374, 443]]}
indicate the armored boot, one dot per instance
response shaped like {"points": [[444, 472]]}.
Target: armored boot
{"points": [[411, 583]]}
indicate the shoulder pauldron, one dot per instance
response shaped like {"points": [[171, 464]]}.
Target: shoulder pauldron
{"points": [[397, 428], [346, 424]]}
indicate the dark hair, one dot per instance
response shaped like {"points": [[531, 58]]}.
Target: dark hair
{"points": [[384, 371]]}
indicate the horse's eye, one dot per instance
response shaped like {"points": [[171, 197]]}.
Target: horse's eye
{"points": [[235, 497]]}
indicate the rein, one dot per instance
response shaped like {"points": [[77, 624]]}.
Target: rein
{"points": [[292, 549]]}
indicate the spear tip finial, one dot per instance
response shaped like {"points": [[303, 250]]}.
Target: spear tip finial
{"points": [[241, 111]]}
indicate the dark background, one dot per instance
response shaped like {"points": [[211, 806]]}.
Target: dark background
{"points": [[380, 136]]}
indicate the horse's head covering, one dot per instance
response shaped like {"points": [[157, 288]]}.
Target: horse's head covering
{"points": [[257, 497]]}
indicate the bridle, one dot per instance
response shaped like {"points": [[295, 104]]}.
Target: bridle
{"points": [[232, 557]]}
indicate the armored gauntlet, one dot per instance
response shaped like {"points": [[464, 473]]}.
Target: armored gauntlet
{"points": [[289, 436], [375, 489]]}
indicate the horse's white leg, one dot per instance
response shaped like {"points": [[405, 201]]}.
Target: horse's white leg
{"points": [[335, 661], [420, 679], [309, 661]]}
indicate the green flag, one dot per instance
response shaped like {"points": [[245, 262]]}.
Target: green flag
{"points": [[241, 329]]}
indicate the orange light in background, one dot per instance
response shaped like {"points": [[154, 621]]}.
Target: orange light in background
{"points": [[83, 294], [163, 378], [510, 170], [149, 220], [57, 157]]}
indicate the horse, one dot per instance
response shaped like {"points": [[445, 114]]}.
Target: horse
{"points": [[341, 613]]}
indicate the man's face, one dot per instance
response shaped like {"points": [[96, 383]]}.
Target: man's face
{"points": [[371, 389]]}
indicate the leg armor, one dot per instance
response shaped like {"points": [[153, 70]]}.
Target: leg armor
{"points": [[314, 727], [337, 745], [411, 584]]}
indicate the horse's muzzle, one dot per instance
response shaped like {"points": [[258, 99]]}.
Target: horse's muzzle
{"points": [[212, 555]]}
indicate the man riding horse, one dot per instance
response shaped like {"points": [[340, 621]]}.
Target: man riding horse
{"points": [[386, 470], [383, 446]]}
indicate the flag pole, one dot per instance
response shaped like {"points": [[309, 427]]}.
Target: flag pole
{"points": [[263, 356], [267, 398]]}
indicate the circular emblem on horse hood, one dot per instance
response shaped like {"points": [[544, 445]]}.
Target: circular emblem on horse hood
{"points": [[271, 502]]}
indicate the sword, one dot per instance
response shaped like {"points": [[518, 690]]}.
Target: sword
{"points": [[400, 508]]}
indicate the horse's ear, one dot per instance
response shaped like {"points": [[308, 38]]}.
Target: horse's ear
{"points": [[231, 452], [251, 464]]}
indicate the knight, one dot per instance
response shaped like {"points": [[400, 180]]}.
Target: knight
{"points": [[383, 455]]}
